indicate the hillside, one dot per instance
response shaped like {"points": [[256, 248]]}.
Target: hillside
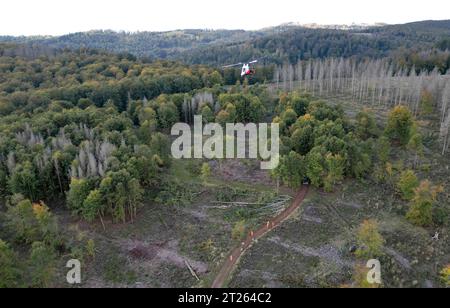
{"points": [[88, 170], [87, 173], [293, 43], [149, 160], [277, 44], [143, 44]]}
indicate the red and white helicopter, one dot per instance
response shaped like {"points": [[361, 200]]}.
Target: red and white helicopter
{"points": [[247, 69]]}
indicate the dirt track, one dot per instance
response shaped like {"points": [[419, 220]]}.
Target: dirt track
{"points": [[238, 252]]}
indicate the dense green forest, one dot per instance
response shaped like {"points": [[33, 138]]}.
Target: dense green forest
{"points": [[143, 44], [276, 45], [50, 107], [89, 129], [83, 127], [95, 76]]}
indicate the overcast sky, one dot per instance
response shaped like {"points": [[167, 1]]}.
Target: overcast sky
{"points": [[55, 17]]}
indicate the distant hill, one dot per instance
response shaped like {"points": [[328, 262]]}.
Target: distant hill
{"points": [[288, 42], [142, 44], [293, 43]]}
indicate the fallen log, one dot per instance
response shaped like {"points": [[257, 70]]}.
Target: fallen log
{"points": [[191, 270]]}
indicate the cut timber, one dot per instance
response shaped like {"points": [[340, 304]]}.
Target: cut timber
{"points": [[191, 270], [237, 203], [234, 256]]}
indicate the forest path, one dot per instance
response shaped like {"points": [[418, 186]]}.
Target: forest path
{"points": [[235, 255]]}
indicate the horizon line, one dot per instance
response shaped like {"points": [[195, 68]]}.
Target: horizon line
{"points": [[286, 24]]}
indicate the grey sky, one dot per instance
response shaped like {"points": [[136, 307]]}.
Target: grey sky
{"points": [[31, 17]]}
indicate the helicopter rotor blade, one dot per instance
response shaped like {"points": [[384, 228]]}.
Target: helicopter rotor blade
{"points": [[233, 65], [242, 63], [258, 60]]}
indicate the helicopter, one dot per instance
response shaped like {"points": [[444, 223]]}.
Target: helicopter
{"points": [[246, 70]]}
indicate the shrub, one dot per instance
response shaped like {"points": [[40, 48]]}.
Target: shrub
{"points": [[445, 275], [9, 273], [238, 231], [421, 210], [407, 184], [400, 125], [370, 241]]}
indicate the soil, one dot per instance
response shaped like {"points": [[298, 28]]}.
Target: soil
{"points": [[238, 252]]}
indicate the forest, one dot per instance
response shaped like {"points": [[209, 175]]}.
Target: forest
{"points": [[86, 170], [276, 44], [376, 83], [91, 128]]}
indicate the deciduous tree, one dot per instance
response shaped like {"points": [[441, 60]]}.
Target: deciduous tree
{"points": [[400, 125], [42, 264], [407, 184], [445, 275], [370, 241], [291, 170], [334, 170], [421, 210], [9, 271], [24, 181]]}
